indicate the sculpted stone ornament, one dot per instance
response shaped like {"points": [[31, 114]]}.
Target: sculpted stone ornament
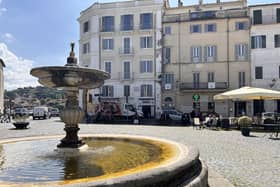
{"points": [[70, 78]]}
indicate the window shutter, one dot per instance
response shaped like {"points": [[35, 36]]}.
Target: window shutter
{"points": [[205, 54], [236, 25], [103, 43], [246, 51], [112, 43], [253, 42], [112, 91], [200, 53], [142, 42], [236, 52], [206, 27], [191, 54], [246, 25], [215, 27], [191, 29], [215, 52], [263, 42]]}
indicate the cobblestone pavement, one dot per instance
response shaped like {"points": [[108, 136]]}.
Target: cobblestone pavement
{"points": [[244, 161]]}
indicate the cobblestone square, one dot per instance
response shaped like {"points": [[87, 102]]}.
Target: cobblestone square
{"points": [[244, 161]]}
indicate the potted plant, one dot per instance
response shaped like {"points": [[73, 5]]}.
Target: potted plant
{"points": [[245, 122], [20, 121]]}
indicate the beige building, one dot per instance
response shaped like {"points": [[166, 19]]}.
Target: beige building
{"points": [[124, 39], [2, 65], [206, 52], [265, 52]]}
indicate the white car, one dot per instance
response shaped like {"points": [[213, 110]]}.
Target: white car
{"points": [[41, 112], [173, 114]]}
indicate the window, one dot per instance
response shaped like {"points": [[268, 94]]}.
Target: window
{"points": [[195, 28], [126, 46], [195, 54], [195, 80], [257, 17], [108, 44], [126, 22], [210, 27], [278, 15], [241, 52], [277, 40], [258, 72], [108, 68], [211, 77], [210, 53], [146, 42], [258, 42], [241, 25], [167, 30], [167, 55], [126, 90], [146, 21], [126, 70], [168, 78], [279, 72], [86, 48], [146, 66], [108, 91], [108, 23], [146, 90], [86, 26], [241, 79]]}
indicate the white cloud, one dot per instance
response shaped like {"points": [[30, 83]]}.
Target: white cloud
{"points": [[8, 37], [16, 72], [2, 10]]}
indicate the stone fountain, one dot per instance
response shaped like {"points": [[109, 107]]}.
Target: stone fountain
{"points": [[110, 160], [70, 78]]}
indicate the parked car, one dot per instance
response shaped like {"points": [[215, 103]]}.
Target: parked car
{"points": [[41, 112], [54, 112], [171, 114], [20, 112], [271, 115]]}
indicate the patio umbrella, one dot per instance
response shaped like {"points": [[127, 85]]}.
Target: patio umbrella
{"points": [[249, 93]]}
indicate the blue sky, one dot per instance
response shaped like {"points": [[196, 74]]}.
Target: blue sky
{"points": [[38, 32]]}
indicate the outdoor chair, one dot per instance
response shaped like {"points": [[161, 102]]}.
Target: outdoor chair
{"points": [[196, 123]]}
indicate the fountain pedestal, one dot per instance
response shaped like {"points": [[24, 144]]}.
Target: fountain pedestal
{"points": [[70, 78], [71, 116]]}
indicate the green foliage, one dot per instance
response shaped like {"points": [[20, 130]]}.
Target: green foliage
{"points": [[244, 121]]}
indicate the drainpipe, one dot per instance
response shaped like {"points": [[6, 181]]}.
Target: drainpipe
{"points": [[228, 77], [155, 62]]}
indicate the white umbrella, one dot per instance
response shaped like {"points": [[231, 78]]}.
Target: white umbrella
{"points": [[248, 93]]}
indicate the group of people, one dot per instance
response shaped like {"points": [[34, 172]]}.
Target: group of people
{"points": [[212, 119]]}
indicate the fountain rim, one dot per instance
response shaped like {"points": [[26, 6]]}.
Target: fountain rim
{"points": [[70, 68], [172, 164]]}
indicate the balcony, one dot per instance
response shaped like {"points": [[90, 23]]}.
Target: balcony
{"points": [[126, 51], [188, 86], [126, 76], [204, 15]]}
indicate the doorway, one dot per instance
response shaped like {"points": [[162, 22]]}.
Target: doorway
{"points": [[258, 107], [239, 108], [146, 111]]}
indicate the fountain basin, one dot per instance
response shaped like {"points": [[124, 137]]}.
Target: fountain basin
{"points": [[70, 77], [173, 164]]}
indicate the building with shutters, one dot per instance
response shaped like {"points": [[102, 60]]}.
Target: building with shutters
{"points": [[265, 52], [205, 53], [124, 39]]}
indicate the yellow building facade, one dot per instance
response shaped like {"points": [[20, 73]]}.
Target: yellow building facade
{"points": [[205, 52]]}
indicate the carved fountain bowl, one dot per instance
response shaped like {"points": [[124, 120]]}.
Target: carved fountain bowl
{"points": [[70, 77]]}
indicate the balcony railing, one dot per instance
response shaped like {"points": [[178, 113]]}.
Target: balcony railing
{"points": [[126, 76], [202, 86], [126, 51], [204, 15], [266, 19]]}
